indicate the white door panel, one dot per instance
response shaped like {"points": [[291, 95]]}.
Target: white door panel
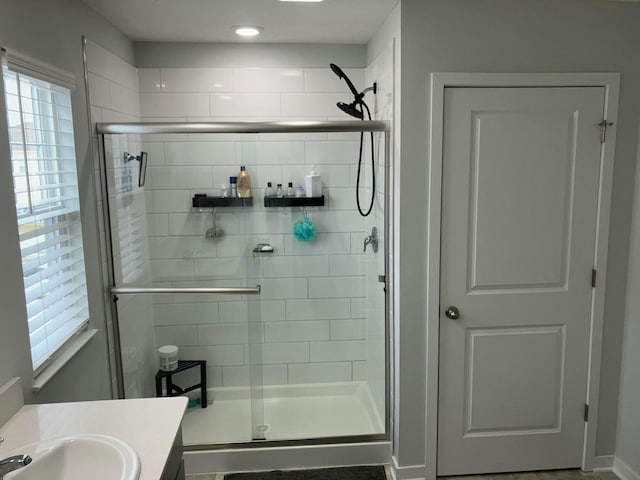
{"points": [[520, 179]]}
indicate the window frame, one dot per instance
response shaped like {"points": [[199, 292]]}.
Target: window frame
{"points": [[79, 334]]}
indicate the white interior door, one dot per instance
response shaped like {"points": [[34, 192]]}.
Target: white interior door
{"points": [[519, 199]]}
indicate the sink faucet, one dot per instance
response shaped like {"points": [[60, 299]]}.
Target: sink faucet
{"points": [[10, 464]]}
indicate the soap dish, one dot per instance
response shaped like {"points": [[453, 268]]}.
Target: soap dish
{"points": [[263, 248]]}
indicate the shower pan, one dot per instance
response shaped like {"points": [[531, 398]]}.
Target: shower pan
{"points": [[295, 336]]}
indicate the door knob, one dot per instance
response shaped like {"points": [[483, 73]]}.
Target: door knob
{"points": [[452, 312]]}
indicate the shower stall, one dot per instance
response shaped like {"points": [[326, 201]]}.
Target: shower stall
{"points": [[282, 340]]}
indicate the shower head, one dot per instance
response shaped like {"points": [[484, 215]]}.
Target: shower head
{"points": [[351, 109], [338, 71]]}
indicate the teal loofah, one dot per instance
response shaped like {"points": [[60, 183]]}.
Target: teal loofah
{"points": [[304, 230]]}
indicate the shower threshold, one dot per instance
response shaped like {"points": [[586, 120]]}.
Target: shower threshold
{"points": [[291, 412]]}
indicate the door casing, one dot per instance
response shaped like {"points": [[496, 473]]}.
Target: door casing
{"points": [[439, 81]]}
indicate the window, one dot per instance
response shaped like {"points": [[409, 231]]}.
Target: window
{"points": [[47, 205]]}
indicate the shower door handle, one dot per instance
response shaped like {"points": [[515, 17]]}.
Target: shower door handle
{"points": [[171, 291]]}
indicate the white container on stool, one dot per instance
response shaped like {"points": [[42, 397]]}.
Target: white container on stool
{"points": [[168, 357]]}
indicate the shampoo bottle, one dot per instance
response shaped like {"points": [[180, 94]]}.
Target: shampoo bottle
{"points": [[313, 183], [244, 183]]}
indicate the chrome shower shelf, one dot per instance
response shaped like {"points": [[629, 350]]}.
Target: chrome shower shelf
{"points": [[202, 200], [294, 202]]}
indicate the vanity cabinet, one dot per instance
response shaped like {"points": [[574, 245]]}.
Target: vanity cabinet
{"points": [[152, 427], [174, 468]]}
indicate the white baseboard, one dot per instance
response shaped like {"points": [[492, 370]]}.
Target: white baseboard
{"points": [[412, 472], [623, 471], [602, 463]]}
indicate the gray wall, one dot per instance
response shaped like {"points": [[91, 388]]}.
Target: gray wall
{"points": [[628, 438], [52, 31], [511, 36]]}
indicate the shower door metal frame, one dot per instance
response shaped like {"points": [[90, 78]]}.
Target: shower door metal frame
{"points": [[338, 126]]}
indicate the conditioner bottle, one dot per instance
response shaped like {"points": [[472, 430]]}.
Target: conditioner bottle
{"points": [[244, 183], [313, 183]]}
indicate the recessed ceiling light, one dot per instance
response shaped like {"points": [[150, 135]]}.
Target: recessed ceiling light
{"points": [[248, 30]]}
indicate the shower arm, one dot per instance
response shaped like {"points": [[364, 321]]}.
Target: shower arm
{"points": [[359, 98], [373, 88]]}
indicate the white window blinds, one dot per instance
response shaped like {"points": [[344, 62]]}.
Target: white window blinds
{"points": [[47, 204]]}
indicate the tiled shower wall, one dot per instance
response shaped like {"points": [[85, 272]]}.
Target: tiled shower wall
{"points": [[381, 71], [113, 96], [314, 297]]}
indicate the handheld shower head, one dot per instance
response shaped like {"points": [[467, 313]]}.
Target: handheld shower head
{"points": [[338, 71], [351, 109], [356, 109]]}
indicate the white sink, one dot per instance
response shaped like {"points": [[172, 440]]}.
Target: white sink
{"points": [[95, 457]]}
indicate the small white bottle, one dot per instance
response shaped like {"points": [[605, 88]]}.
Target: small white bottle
{"points": [[233, 186], [290, 190], [269, 190], [279, 191], [313, 183]]}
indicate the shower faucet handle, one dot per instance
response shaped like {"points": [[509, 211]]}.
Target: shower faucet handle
{"points": [[372, 240]]}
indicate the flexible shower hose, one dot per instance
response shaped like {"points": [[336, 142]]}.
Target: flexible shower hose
{"points": [[373, 169]]}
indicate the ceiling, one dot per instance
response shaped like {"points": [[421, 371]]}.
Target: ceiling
{"points": [[331, 21]]}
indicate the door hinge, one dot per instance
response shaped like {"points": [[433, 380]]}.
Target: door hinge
{"points": [[594, 274], [603, 130], [586, 412]]}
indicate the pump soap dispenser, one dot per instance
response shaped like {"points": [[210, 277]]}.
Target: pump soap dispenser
{"points": [[313, 183]]}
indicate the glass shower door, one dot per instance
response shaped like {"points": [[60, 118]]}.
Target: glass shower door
{"points": [[308, 358], [256, 379], [165, 237]]}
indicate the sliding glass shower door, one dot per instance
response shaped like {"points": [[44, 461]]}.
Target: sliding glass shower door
{"points": [[184, 274], [285, 298]]}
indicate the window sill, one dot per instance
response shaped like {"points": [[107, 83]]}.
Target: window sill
{"points": [[57, 364]]}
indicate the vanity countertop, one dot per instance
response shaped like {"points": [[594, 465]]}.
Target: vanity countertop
{"points": [[148, 425]]}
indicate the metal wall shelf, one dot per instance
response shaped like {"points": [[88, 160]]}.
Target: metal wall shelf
{"points": [[202, 200], [294, 202]]}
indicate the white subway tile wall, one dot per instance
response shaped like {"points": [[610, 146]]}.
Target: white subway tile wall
{"points": [[382, 71], [314, 294]]}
